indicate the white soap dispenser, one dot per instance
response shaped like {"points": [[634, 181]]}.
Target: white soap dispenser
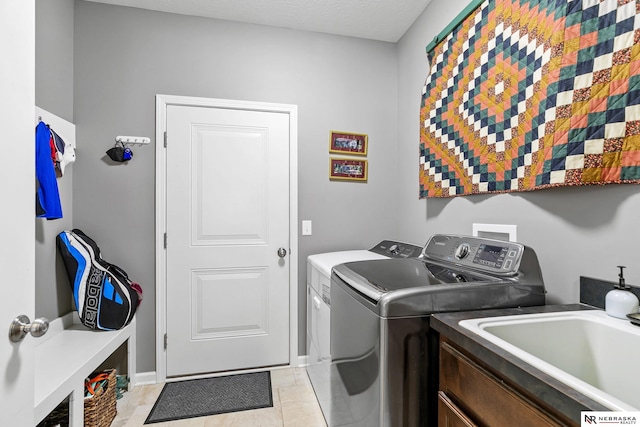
{"points": [[621, 301]]}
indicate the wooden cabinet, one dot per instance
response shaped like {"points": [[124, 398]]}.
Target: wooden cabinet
{"points": [[471, 395], [449, 415]]}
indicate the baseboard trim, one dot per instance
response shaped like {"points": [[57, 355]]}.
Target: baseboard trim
{"points": [[303, 361], [146, 378]]}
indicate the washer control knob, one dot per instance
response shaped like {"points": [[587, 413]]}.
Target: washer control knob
{"points": [[462, 251], [394, 249]]}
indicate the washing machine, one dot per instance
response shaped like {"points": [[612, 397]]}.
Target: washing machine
{"points": [[319, 268], [384, 355]]}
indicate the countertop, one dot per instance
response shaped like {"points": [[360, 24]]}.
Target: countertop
{"points": [[553, 393]]}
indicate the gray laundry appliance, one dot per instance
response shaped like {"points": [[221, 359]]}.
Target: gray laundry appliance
{"points": [[319, 268], [384, 355]]}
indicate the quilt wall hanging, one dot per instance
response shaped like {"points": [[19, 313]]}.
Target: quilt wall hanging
{"points": [[524, 95]]}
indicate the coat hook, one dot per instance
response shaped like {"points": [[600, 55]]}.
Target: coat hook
{"points": [[134, 140]]}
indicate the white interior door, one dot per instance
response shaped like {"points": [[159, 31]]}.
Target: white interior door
{"points": [[227, 219], [17, 216]]}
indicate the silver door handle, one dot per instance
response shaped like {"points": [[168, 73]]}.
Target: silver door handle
{"points": [[282, 252], [21, 326]]}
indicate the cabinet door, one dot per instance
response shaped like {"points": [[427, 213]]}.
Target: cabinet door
{"points": [[449, 415], [485, 398]]}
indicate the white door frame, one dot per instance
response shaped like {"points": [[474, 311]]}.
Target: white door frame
{"points": [[162, 102]]}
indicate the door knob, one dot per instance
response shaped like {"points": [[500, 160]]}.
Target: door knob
{"points": [[282, 252], [21, 326]]}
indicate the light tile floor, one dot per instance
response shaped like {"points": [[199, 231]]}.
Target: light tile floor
{"points": [[294, 405]]}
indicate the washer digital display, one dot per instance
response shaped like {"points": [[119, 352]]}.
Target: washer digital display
{"points": [[491, 256]]}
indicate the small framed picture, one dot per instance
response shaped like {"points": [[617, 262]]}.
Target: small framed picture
{"points": [[347, 169], [348, 143]]}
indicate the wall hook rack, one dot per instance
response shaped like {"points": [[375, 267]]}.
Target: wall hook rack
{"points": [[133, 140]]}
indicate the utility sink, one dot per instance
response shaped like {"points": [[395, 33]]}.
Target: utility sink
{"points": [[593, 353]]}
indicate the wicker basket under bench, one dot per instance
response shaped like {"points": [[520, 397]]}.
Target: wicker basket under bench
{"points": [[66, 356], [100, 409]]}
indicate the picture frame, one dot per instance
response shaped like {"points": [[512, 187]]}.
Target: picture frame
{"points": [[348, 143], [344, 169]]}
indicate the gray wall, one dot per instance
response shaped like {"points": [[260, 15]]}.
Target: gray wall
{"points": [[575, 231], [125, 56], [54, 93]]}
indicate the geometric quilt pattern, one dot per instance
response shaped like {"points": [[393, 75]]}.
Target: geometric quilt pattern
{"points": [[524, 95]]}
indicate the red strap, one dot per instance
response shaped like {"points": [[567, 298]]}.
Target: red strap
{"points": [[91, 382]]}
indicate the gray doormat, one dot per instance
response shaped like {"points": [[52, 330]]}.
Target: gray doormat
{"points": [[210, 396]]}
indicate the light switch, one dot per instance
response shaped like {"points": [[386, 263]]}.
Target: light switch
{"points": [[306, 227]]}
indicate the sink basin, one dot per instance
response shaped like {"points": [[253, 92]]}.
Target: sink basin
{"points": [[587, 350]]}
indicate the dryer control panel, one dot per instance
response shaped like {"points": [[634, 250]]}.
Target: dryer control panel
{"points": [[488, 255], [394, 249]]}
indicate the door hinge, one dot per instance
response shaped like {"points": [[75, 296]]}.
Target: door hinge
{"points": [[165, 139], [165, 240], [165, 341]]}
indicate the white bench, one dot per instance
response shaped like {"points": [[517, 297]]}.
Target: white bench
{"points": [[66, 355]]}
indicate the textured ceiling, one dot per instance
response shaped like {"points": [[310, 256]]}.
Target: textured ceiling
{"points": [[385, 20]]}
